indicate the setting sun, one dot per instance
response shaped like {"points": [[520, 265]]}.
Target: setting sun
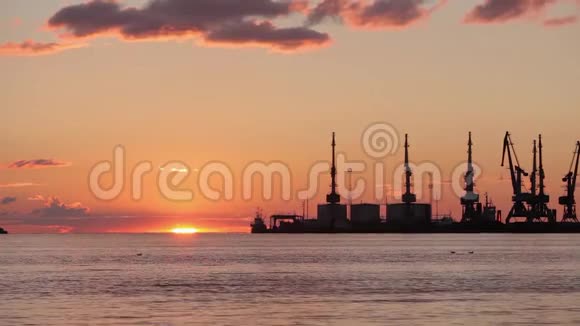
{"points": [[184, 230]]}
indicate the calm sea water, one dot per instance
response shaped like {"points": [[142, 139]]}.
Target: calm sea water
{"points": [[289, 279]]}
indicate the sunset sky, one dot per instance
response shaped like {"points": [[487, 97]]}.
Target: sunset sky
{"points": [[236, 82]]}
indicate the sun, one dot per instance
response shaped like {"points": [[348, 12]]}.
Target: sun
{"points": [[184, 230]]}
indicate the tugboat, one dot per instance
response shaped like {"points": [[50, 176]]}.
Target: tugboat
{"points": [[2, 231], [258, 226]]}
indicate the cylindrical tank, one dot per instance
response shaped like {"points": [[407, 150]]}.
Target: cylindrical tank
{"points": [[409, 213], [365, 214], [331, 215]]}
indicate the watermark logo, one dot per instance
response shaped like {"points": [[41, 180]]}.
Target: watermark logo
{"points": [[379, 141]]}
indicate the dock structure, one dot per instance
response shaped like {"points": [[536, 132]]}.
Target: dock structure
{"points": [[530, 212]]}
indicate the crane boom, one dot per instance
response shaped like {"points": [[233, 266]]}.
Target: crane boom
{"points": [[507, 150], [575, 175]]}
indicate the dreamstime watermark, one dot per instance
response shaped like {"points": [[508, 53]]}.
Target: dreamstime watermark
{"points": [[379, 141]]}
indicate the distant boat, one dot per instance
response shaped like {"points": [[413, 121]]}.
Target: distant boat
{"points": [[2, 231], [258, 226]]}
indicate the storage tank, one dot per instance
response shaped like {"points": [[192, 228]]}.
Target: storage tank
{"points": [[331, 215], [365, 214], [415, 214]]}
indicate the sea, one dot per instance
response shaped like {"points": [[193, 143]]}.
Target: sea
{"points": [[309, 279]]}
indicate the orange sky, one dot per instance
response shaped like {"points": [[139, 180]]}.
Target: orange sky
{"points": [[268, 90]]}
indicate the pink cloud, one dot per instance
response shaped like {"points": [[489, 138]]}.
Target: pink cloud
{"points": [[18, 185], [560, 21], [32, 48], [15, 22], [37, 164]]}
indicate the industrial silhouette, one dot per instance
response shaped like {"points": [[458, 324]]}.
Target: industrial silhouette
{"points": [[530, 212]]}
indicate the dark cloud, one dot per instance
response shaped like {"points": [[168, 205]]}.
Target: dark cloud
{"points": [[53, 207], [265, 33], [7, 200], [38, 163], [34, 48], [374, 14], [254, 23], [499, 11], [326, 8], [232, 22]]}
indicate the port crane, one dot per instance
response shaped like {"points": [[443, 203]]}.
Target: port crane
{"points": [[519, 198], [333, 197], [408, 197], [470, 201], [539, 199], [568, 201]]}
